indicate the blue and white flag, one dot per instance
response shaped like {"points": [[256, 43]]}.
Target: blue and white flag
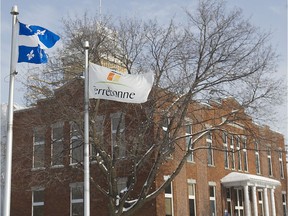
{"points": [[32, 41]]}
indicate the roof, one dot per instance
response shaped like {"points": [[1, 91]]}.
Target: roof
{"points": [[235, 179]]}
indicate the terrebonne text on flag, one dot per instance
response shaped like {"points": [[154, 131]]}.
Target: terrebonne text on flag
{"points": [[32, 41], [108, 84]]}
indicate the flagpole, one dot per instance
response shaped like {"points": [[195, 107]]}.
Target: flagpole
{"points": [[86, 136], [8, 165]]}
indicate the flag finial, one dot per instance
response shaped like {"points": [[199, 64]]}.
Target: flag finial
{"points": [[14, 10], [86, 44]]}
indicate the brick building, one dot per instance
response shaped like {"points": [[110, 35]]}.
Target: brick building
{"points": [[236, 167]]}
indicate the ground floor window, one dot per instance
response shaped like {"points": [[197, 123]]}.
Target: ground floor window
{"points": [[76, 199], [212, 192], [260, 202], [38, 202], [169, 200], [191, 197], [229, 201], [284, 201]]}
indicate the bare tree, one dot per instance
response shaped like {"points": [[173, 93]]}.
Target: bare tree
{"points": [[217, 55]]}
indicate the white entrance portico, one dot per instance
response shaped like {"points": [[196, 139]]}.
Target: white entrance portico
{"points": [[246, 181]]}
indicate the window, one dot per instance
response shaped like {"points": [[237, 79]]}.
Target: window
{"points": [[257, 158], [188, 138], [121, 184], [281, 163], [76, 144], [38, 202], [99, 135], [191, 197], [57, 144], [245, 154], [76, 199], [229, 201], [38, 147], [270, 173], [284, 201], [210, 148], [239, 154], [232, 153], [167, 147], [169, 200], [225, 148], [260, 202], [117, 135], [212, 199]]}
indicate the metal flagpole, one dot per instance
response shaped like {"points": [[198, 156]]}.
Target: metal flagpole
{"points": [[86, 136], [8, 168]]}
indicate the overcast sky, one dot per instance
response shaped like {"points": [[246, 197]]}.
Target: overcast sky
{"points": [[269, 15]]}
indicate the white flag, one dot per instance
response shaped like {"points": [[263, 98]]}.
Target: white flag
{"points": [[108, 84]]}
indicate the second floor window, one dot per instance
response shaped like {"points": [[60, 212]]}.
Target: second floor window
{"points": [[281, 163], [239, 154], [232, 150], [257, 158], [209, 149], [225, 148], [245, 154], [76, 144], [57, 147], [38, 147], [188, 133], [270, 173], [118, 135], [98, 131]]}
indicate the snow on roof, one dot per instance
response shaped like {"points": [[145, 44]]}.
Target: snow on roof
{"points": [[241, 179]]}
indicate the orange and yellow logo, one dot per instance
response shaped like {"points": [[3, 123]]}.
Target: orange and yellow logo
{"points": [[112, 76]]}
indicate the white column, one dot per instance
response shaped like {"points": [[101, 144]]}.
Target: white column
{"points": [[273, 202], [266, 204], [247, 201], [254, 199]]}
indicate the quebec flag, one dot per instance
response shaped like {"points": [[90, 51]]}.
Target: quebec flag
{"points": [[32, 41]]}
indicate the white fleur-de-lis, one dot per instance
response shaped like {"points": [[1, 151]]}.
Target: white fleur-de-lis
{"points": [[28, 27], [30, 55], [40, 32]]}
